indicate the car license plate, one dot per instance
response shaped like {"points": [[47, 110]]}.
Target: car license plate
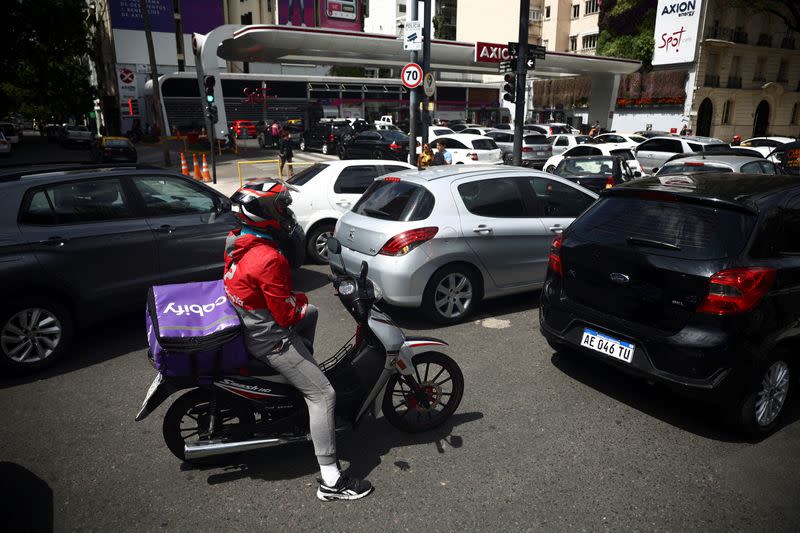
{"points": [[607, 345]]}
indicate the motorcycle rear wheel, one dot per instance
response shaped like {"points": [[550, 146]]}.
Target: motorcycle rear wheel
{"points": [[189, 416], [443, 383]]}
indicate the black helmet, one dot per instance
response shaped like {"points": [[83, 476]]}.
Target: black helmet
{"points": [[265, 206]]}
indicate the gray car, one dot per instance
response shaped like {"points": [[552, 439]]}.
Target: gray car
{"points": [[445, 238], [717, 162], [654, 152], [79, 245], [536, 148]]}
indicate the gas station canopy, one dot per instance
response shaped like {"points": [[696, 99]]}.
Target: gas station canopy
{"points": [[279, 44]]}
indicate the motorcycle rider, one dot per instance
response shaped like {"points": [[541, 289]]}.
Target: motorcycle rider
{"points": [[279, 324]]}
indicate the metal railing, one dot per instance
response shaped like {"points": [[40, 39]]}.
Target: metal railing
{"points": [[734, 82]]}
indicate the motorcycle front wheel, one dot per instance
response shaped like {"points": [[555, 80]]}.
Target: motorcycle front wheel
{"points": [[441, 381], [188, 419]]}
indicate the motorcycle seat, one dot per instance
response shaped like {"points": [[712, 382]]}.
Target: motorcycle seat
{"points": [[259, 368]]}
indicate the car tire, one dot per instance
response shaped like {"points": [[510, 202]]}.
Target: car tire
{"points": [[377, 154], [55, 327], [341, 152], [325, 149], [302, 145], [508, 159], [261, 143], [448, 281], [315, 247], [768, 395]]}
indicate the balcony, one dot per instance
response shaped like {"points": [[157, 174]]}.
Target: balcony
{"points": [[764, 39], [734, 82], [787, 43], [739, 36], [711, 80]]}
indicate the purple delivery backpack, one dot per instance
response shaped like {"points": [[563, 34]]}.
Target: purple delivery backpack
{"points": [[193, 330]]}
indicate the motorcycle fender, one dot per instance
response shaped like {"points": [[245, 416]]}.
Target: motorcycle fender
{"points": [[404, 361], [159, 390], [422, 344]]}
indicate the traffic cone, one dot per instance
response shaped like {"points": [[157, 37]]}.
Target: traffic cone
{"points": [[196, 168], [184, 166], [206, 173]]}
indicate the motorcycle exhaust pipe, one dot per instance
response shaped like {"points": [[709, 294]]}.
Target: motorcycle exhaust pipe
{"points": [[201, 449]]}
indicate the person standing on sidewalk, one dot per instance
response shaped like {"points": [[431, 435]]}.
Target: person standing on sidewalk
{"points": [[285, 153], [275, 131]]}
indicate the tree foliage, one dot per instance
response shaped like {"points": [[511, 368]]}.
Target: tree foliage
{"points": [[626, 29], [44, 58]]}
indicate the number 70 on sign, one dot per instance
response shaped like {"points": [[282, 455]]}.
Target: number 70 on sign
{"points": [[411, 75]]}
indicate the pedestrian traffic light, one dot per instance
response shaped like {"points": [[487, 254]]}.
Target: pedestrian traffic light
{"points": [[510, 87], [212, 114], [210, 82]]}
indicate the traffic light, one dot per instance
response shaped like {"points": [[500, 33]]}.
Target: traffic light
{"points": [[211, 113], [210, 82], [510, 87]]}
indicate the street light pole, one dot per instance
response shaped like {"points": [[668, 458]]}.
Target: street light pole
{"points": [[522, 70], [154, 76], [426, 66], [413, 98]]}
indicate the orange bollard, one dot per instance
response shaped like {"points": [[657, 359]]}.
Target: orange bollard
{"points": [[206, 173], [184, 166], [196, 168]]}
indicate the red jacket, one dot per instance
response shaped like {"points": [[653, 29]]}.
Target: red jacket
{"points": [[258, 280]]}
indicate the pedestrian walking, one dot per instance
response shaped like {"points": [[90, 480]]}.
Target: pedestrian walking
{"points": [[425, 159], [285, 153], [684, 130], [442, 156], [275, 131]]}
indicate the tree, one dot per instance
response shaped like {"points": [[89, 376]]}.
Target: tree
{"points": [[156, 90], [626, 29], [45, 73], [786, 10]]}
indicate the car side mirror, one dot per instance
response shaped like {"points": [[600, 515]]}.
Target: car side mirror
{"points": [[637, 174], [655, 169], [334, 246]]}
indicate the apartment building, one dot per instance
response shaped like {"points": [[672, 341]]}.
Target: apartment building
{"points": [[570, 25]]}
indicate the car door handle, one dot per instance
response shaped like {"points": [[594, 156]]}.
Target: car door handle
{"points": [[53, 241], [482, 229], [556, 228], [166, 228], [343, 203]]}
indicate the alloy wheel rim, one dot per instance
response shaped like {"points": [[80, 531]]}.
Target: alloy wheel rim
{"points": [[772, 396], [31, 335], [321, 244], [453, 295]]}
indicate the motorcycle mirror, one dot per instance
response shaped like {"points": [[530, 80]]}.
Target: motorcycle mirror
{"points": [[364, 270], [334, 246]]}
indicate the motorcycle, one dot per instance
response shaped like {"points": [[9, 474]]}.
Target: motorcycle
{"points": [[379, 369]]}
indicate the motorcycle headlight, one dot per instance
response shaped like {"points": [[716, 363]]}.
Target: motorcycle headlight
{"points": [[346, 288]]}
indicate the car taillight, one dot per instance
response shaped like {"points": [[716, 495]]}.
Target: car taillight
{"points": [[527, 149], [330, 137], [609, 182], [736, 290], [473, 156], [404, 242], [554, 261], [394, 146], [693, 164], [391, 178]]}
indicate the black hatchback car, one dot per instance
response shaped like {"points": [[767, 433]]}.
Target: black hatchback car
{"points": [[324, 136], [377, 144], [692, 280], [78, 245]]}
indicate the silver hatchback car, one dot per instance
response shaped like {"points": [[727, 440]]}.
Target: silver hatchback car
{"points": [[445, 238]]}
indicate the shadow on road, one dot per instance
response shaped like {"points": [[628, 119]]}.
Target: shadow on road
{"points": [[692, 415], [362, 448], [26, 500], [306, 280], [415, 319], [102, 342]]}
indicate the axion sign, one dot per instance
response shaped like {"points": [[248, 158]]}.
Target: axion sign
{"points": [[491, 52]]}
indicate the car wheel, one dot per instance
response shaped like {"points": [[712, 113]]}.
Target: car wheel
{"points": [[325, 149], [302, 145], [508, 159], [450, 295], [767, 396], [377, 154], [316, 243], [550, 169], [341, 152], [261, 142], [34, 333]]}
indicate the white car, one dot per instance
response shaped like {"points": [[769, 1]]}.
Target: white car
{"points": [[327, 190], [5, 146], [10, 131], [433, 132], [470, 149], [565, 141], [595, 149], [476, 131], [765, 145], [622, 140]]}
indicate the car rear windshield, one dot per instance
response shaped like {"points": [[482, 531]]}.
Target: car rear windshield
{"points": [[716, 147], [396, 136], [535, 139], [558, 129], [627, 155], [688, 167], [442, 131], [117, 143], [484, 144], [395, 200], [673, 229], [304, 176]]}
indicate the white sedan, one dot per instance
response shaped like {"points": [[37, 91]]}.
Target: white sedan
{"points": [[470, 149], [765, 145], [565, 141], [595, 149], [621, 140]]}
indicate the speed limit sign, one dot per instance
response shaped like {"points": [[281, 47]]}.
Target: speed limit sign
{"points": [[411, 75]]}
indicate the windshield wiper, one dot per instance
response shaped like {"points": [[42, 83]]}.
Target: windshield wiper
{"points": [[636, 241], [377, 213]]}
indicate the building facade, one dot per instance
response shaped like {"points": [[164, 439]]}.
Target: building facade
{"points": [[570, 25]]}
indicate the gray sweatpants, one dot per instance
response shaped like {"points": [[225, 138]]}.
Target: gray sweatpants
{"points": [[297, 365]]}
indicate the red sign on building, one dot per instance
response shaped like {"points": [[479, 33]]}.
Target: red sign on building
{"points": [[491, 52]]}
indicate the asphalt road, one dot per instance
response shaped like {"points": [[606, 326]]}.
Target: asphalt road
{"points": [[541, 441]]}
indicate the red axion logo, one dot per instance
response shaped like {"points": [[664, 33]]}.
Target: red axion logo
{"points": [[256, 96], [126, 75], [491, 52]]}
